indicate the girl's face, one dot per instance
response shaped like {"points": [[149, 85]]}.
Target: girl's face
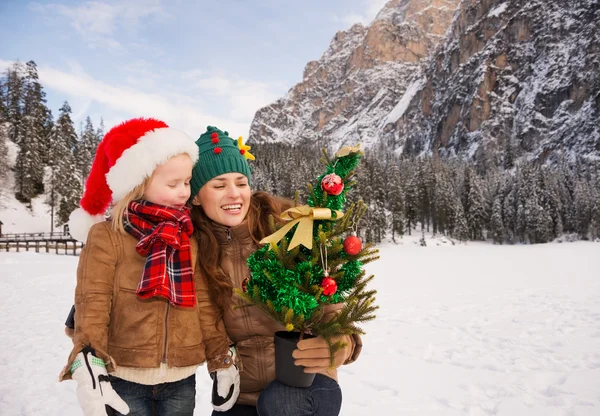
{"points": [[225, 199], [170, 182]]}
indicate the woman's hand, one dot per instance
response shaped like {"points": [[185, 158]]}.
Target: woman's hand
{"points": [[313, 354]]}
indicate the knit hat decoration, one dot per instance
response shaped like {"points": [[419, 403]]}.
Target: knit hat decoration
{"points": [[126, 156], [219, 154]]}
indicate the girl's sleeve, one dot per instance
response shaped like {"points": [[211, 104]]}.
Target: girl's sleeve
{"points": [[93, 296]]}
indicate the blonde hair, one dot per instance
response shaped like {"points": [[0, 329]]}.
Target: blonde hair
{"points": [[120, 207]]}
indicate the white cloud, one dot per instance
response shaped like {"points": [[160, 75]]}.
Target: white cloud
{"points": [[99, 21], [365, 16], [245, 96], [190, 100], [180, 111]]}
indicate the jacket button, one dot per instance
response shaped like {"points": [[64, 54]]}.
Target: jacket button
{"points": [[226, 360]]}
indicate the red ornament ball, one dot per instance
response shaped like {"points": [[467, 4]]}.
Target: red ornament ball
{"points": [[217, 150], [332, 184], [214, 135], [329, 286], [352, 245], [215, 140], [242, 151]]}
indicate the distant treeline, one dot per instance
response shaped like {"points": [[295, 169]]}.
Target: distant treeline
{"points": [[527, 204]]}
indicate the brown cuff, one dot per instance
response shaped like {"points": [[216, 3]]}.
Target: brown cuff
{"points": [[65, 374], [224, 361], [356, 349]]}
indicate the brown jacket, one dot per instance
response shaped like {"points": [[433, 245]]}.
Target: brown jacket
{"points": [[129, 331], [251, 329]]}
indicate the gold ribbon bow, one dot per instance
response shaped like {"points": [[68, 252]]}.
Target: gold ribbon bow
{"points": [[346, 150], [304, 217]]}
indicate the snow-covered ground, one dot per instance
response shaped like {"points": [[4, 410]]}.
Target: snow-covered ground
{"points": [[472, 329]]}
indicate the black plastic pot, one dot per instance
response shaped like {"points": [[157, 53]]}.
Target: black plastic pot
{"points": [[286, 371]]}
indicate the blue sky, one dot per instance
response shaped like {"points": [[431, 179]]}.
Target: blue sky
{"points": [[190, 63]]}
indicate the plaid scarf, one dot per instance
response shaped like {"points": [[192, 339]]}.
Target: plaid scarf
{"points": [[164, 237]]}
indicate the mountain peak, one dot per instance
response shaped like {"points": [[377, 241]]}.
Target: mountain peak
{"points": [[362, 74]]}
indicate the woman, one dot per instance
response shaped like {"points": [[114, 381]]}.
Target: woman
{"points": [[229, 221]]}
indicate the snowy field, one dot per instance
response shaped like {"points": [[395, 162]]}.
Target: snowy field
{"points": [[471, 329]]}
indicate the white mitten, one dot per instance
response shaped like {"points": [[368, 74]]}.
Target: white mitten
{"points": [[94, 391], [226, 385]]}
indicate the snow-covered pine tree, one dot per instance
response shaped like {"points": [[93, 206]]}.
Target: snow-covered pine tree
{"points": [[496, 231], [85, 150], [595, 212], [522, 188], [551, 200], [460, 229], [396, 201], [3, 156], [14, 100], [67, 187], [99, 133], [582, 200], [509, 209], [379, 181], [29, 167], [476, 205], [3, 109], [411, 198], [443, 201], [365, 190], [566, 186], [425, 183]]}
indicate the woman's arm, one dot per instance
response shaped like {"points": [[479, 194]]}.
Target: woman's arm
{"points": [[215, 338]]}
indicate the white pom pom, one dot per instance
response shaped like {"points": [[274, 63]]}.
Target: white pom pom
{"points": [[80, 223]]}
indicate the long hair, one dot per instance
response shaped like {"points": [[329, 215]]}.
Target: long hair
{"points": [[262, 206]]}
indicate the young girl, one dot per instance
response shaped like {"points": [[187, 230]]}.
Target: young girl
{"points": [[142, 312], [229, 222]]}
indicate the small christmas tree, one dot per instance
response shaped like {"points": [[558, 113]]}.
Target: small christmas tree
{"points": [[316, 259]]}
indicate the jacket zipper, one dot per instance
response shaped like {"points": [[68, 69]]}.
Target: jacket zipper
{"points": [[228, 235], [164, 360]]}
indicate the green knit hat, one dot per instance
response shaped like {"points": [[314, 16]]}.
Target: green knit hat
{"points": [[219, 154]]}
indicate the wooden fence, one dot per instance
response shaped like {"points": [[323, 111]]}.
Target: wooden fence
{"points": [[59, 243]]}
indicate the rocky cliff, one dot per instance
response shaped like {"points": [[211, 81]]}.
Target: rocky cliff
{"points": [[347, 94], [489, 80]]}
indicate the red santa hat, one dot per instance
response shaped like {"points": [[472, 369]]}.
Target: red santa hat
{"points": [[126, 156]]}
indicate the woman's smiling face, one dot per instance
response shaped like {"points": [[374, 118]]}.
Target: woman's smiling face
{"points": [[225, 198]]}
